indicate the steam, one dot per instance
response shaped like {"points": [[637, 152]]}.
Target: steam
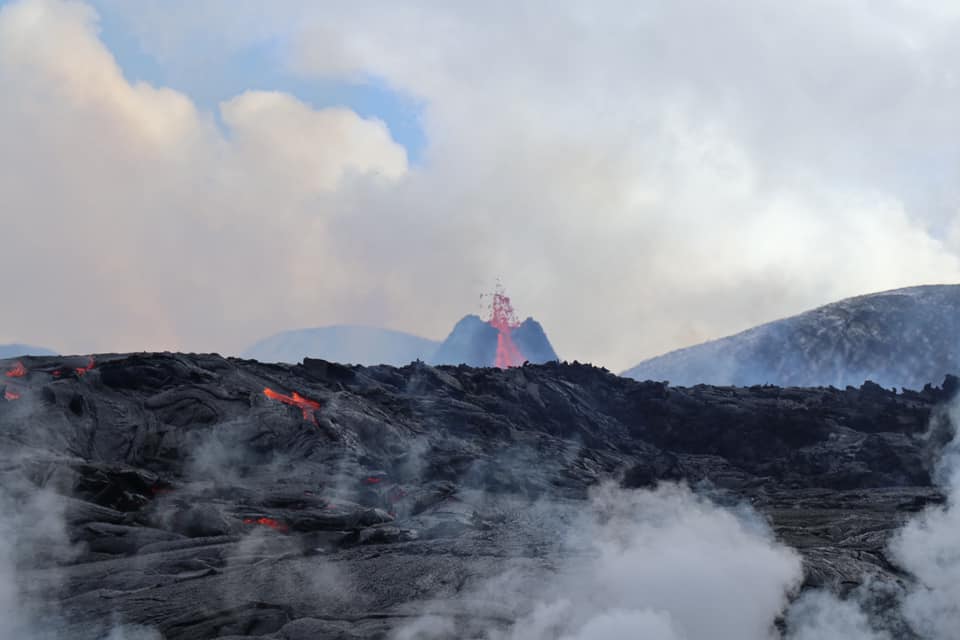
{"points": [[929, 548], [33, 540], [661, 564]]}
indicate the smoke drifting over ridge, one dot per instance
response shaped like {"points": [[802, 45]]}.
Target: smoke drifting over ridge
{"points": [[663, 188]]}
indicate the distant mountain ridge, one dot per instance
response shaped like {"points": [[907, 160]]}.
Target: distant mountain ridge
{"points": [[16, 350], [472, 341], [899, 338], [344, 343]]}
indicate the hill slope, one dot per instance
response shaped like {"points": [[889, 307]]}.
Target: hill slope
{"points": [[16, 350], [343, 343], [900, 338]]}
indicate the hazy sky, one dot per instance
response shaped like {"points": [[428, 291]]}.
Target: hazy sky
{"points": [[645, 174]]}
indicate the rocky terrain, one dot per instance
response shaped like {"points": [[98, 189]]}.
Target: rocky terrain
{"points": [[194, 496], [900, 338]]}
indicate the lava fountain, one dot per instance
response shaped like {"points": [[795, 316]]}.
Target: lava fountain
{"points": [[504, 320]]}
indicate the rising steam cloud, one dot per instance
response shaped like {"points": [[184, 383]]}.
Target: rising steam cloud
{"points": [[929, 548], [667, 565]]}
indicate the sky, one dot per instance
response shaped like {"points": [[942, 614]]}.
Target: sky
{"points": [[642, 175]]}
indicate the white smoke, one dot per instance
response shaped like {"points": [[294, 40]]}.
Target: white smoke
{"points": [[820, 615], [33, 536], [928, 547], [695, 163], [663, 563]]}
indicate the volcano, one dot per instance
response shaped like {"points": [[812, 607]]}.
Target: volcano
{"points": [[500, 341], [475, 342]]}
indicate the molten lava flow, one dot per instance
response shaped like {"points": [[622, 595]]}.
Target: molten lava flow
{"points": [[18, 371], [295, 400], [77, 370], [82, 370], [276, 525], [11, 395], [503, 320]]}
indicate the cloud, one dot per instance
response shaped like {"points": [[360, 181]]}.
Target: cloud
{"points": [[134, 216], [643, 175]]}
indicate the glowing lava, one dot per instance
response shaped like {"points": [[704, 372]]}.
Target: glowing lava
{"points": [[82, 370], [276, 525], [11, 395], [18, 371], [296, 400], [78, 370], [502, 318]]}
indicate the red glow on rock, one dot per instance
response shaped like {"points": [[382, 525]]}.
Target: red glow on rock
{"points": [[503, 319], [373, 480], [296, 400], [276, 525], [82, 370], [18, 371], [11, 395]]}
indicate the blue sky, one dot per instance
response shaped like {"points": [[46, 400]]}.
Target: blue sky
{"points": [[211, 79]]}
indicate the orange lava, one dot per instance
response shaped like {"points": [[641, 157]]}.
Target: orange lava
{"points": [[276, 525], [295, 400], [78, 370], [82, 370], [11, 395], [18, 371], [502, 318]]}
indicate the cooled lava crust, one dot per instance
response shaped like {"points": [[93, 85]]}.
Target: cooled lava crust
{"points": [[215, 497]]}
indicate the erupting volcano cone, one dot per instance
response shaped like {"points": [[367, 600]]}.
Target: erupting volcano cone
{"points": [[499, 341]]}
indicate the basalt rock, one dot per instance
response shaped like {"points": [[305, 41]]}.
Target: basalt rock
{"points": [[193, 503]]}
